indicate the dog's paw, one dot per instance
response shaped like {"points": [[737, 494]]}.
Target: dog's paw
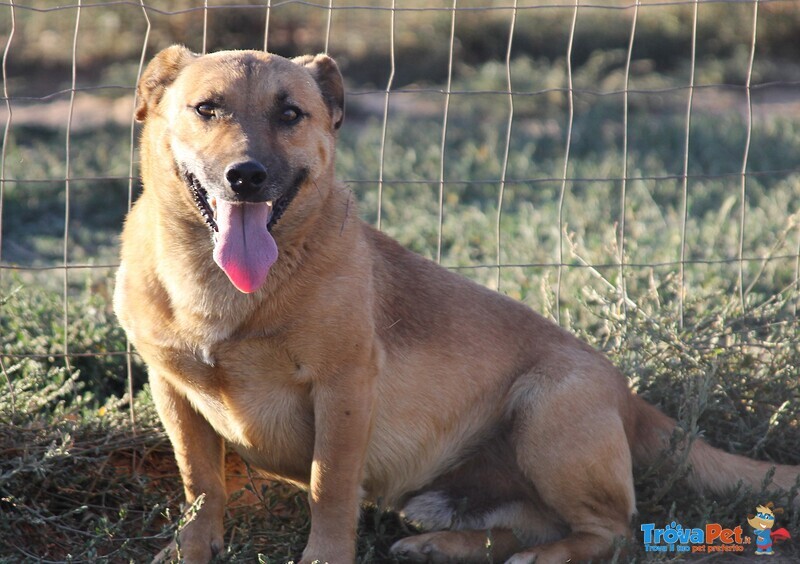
{"points": [[411, 550], [432, 511], [189, 552], [330, 553], [438, 548]]}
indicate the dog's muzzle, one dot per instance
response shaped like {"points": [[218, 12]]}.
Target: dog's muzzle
{"points": [[242, 229], [243, 245]]}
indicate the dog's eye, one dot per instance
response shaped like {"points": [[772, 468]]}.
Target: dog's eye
{"points": [[291, 115], [206, 110]]}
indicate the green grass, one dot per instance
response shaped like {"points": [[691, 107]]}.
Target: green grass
{"points": [[745, 363], [78, 481]]}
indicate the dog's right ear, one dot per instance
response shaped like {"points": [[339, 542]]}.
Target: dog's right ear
{"points": [[329, 79], [159, 74]]}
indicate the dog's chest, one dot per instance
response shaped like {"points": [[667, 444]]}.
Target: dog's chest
{"points": [[251, 394]]}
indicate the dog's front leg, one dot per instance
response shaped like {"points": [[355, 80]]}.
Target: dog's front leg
{"points": [[343, 406], [200, 454]]}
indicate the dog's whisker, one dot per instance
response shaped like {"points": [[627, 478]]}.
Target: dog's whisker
{"points": [[346, 212]]}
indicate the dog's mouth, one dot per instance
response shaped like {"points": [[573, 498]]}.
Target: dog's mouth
{"points": [[243, 245], [200, 197], [207, 205]]}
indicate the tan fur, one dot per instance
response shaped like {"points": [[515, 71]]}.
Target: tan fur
{"points": [[360, 370]]}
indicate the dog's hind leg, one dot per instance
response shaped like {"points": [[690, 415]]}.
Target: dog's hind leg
{"points": [[478, 513], [571, 443]]}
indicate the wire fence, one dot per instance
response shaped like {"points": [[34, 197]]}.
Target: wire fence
{"points": [[464, 72]]}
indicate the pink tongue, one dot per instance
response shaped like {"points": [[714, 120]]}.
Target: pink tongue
{"points": [[244, 249]]}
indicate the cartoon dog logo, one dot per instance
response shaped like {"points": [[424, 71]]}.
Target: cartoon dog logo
{"points": [[762, 524]]}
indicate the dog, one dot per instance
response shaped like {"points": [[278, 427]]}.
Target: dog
{"points": [[273, 319]]}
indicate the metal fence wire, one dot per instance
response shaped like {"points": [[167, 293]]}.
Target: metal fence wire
{"points": [[517, 141]]}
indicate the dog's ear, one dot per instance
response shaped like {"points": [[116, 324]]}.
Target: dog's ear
{"points": [[326, 72], [159, 74]]}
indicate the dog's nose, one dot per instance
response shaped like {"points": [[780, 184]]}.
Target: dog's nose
{"points": [[246, 178]]}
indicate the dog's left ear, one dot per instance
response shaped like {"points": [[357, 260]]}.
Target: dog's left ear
{"points": [[326, 72]]}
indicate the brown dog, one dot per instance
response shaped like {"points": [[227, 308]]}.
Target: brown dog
{"points": [[271, 317]]}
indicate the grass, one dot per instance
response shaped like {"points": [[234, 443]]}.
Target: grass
{"points": [[79, 482]]}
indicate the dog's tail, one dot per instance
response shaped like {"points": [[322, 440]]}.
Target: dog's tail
{"points": [[710, 469]]}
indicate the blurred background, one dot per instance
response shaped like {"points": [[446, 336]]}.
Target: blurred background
{"points": [[629, 169]]}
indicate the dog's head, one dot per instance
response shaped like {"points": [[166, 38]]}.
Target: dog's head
{"points": [[246, 130]]}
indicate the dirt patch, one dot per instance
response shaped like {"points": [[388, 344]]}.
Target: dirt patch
{"points": [[88, 112], [160, 467]]}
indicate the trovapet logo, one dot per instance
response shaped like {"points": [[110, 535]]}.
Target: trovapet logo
{"points": [[713, 537]]}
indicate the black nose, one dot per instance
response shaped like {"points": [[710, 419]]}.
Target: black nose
{"points": [[246, 178]]}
